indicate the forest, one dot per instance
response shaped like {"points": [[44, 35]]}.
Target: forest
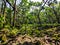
{"points": [[26, 22]]}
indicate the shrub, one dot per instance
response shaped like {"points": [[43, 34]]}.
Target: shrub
{"points": [[1, 21], [14, 32]]}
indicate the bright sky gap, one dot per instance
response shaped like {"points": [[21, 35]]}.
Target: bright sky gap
{"points": [[18, 1]]}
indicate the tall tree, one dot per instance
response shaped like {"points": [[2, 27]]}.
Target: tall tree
{"points": [[14, 17]]}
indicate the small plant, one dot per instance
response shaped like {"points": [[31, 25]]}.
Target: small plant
{"points": [[4, 38], [14, 32], [1, 21]]}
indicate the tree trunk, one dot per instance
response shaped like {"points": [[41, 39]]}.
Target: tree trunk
{"points": [[14, 16], [4, 13]]}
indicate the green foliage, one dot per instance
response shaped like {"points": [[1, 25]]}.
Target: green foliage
{"points": [[4, 39], [37, 33], [14, 32], [1, 21], [31, 19], [25, 29]]}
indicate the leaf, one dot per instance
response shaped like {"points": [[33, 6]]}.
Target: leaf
{"points": [[4, 38]]}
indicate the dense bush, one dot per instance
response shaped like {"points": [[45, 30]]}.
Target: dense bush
{"points": [[1, 21]]}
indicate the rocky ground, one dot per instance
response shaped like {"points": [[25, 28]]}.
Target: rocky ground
{"points": [[27, 40], [51, 37]]}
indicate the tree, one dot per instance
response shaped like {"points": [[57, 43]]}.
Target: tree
{"points": [[14, 17]]}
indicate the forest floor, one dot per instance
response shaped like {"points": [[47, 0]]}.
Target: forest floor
{"points": [[50, 37], [27, 40]]}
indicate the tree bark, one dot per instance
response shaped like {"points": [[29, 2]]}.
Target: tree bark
{"points": [[14, 17], [4, 13]]}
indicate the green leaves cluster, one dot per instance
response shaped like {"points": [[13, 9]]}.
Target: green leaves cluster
{"points": [[1, 21]]}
